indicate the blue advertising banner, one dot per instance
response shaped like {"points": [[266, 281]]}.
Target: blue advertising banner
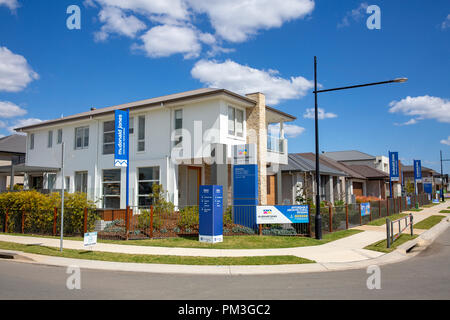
{"points": [[393, 166], [365, 209], [211, 214], [418, 170], [121, 138], [282, 214], [245, 194]]}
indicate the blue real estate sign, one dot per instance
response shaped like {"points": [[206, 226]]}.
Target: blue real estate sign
{"points": [[121, 138], [211, 214], [393, 166], [365, 209], [245, 194], [282, 214], [418, 170]]}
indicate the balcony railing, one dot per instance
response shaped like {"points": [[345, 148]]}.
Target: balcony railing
{"points": [[275, 144]]}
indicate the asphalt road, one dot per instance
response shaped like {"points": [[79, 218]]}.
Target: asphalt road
{"points": [[426, 276]]}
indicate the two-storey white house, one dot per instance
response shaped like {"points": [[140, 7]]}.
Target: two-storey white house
{"points": [[171, 139]]}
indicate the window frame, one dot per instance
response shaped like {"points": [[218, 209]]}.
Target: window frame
{"points": [[31, 141], [108, 132], [50, 139], [84, 178], [153, 181], [83, 138], [234, 133], [141, 141], [119, 182], [178, 143], [59, 137]]}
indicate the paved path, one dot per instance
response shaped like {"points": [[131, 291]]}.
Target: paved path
{"points": [[349, 249], [425, 276]]}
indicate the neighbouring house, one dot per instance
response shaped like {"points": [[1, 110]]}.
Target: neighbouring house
{"points": [[381, 163], [376, 184], [298, 179], [428, 175], [12, 154], [174, 141]]}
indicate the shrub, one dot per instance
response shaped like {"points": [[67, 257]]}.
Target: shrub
{"points": [[242, 229], [189, 217], [144, 220], [228, 216]]}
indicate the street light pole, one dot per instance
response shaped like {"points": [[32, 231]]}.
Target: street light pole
{"points": [[318, 217]]}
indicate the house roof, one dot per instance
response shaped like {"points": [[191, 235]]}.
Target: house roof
{"points": [[349, 155], [15, 143], [153, 102], [335, 165], [369, 172], [297, 162], [411, 169]]}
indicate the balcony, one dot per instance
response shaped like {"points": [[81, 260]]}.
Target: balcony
{"points": [[277, 150]]}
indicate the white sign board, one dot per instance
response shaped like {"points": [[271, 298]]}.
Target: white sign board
{"points": [[90, 239], [244, 154]]}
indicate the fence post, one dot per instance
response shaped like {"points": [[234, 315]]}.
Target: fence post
{"points": [[6, 220], [388, 236], [127, 222], [393, 200], [370, 216], [387, 207], [151, 222], [23, 221], [379, 208], [85, 220], [400, 200], [55, 217], [360, 216], [260, 230], [330, 218], [309, 221], [346, 216]]}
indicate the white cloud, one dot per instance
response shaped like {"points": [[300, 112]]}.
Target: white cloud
{"points": [[116, 21], [244, 79], [10, 110], [15, 73], [446, 141], [290, 130], [310, 114], [423, 107], [23, 123], [446, 23], [407, 123], [11, 4], [353, 15], [236, 20], [163, 41]]}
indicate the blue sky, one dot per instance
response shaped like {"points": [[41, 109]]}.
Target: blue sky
{"points": [[129, 50]]}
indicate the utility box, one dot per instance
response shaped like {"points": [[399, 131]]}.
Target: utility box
{"points": [[211, 214]]}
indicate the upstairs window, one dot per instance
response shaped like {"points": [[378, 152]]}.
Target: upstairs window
{"points": [[81, 138], [50, 139], [59, 139], [108, 137], [32, 141], [141, 133], [178, 127], [235, 122]]}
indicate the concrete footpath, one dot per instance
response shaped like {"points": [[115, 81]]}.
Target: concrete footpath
{"points": [[343, 254]]}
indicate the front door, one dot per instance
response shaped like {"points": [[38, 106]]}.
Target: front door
{"points": [[271, 190], [194, 181]]}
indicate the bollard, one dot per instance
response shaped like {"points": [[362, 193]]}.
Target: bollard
{"points": [[55, 217], [412, 228]]}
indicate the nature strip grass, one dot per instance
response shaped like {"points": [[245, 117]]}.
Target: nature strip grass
{"points": [[382, 221], [230, 242], [429, 222], [381, 246], [444, 211], [153, 259]]}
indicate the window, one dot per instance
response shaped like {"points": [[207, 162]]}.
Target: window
{"points": [[32, 141], [59, 141], [50, 139], [108, 137], [81, 138], [81, 179], [51, 181], [131, 126], [147, 177], [178, 127], [111, 188], [141, 133], [235, 122], [67, 184]]}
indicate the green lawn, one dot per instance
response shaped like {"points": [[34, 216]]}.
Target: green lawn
{"points": [[153, 259], [444, 211], [382, 221], [429, 222], [231, 242], [430, 205], [415, 210], [381, 246]]}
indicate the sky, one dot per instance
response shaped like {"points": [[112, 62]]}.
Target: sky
{"points": [[128, 50]]}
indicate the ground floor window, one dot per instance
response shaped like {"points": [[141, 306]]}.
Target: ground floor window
{"points": [[111, 189], [147, 177], [51, 180], [81, 179]]}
